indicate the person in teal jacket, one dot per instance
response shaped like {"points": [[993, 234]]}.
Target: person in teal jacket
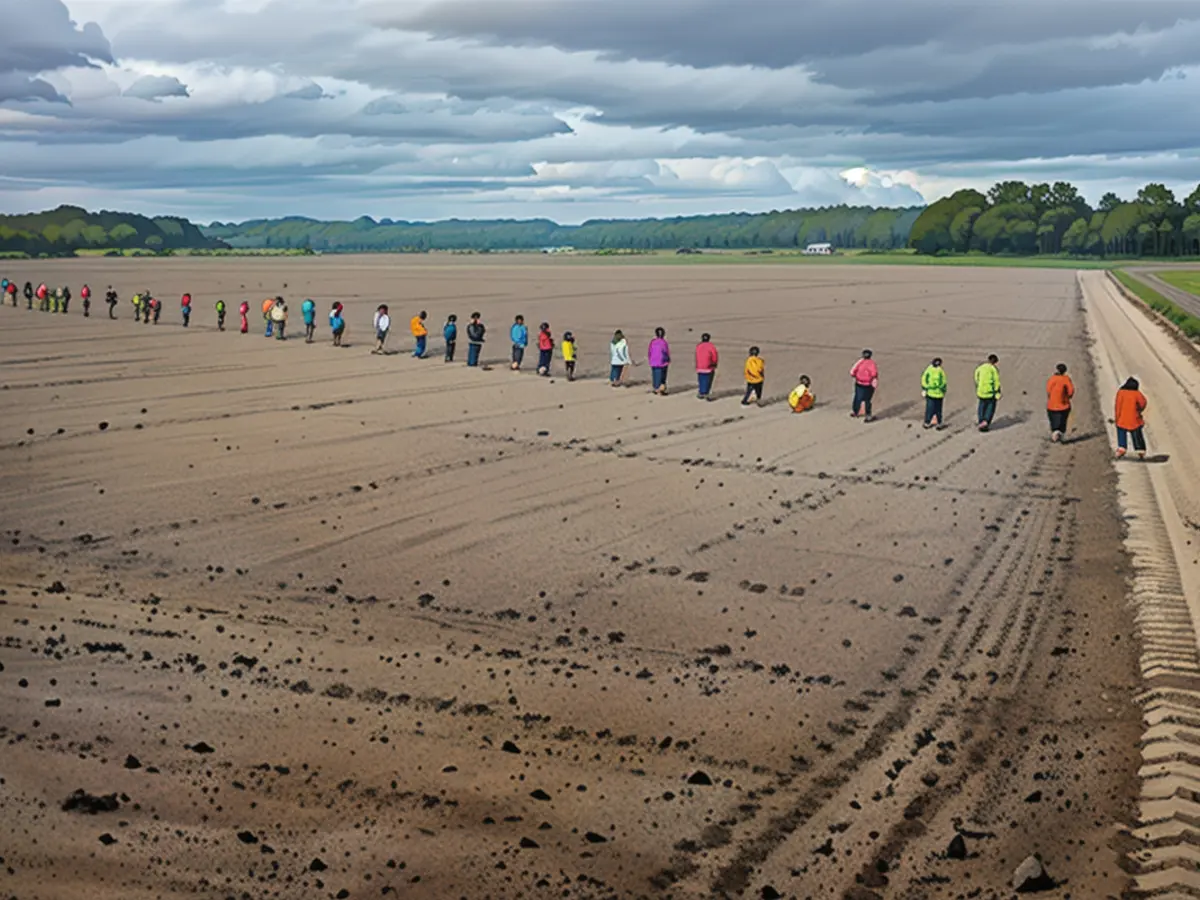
{"points": [[987, 389], [933, 389], [308, 309]]}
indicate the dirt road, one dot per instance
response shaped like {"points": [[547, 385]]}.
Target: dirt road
{"points": [[334, 624], [1161, 502], [1183, 299]]}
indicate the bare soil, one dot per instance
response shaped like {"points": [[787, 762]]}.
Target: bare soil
{"points": [[335, 624]]}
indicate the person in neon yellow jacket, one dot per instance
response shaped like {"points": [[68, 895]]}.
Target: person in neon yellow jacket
{"points": [[933, 389], [987, 389]]}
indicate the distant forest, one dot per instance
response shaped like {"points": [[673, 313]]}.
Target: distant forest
{"points": [[1013, 218], [62, 231], [1019, 219], [843, 226]]}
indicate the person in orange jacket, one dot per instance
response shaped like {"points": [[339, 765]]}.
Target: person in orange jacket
{"points": [[420, 333], [1059, 391], [1128, 414]]}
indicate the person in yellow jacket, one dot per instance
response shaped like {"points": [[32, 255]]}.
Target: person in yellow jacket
{"points": [[933, 389], [987, 390], [802, 399], [569, 352], [756, 371], [419, 333]]}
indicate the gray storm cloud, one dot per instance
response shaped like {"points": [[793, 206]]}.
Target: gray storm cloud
{"points": [[725, 102], [155, 87]]}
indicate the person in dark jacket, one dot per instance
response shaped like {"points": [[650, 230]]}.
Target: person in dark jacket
{"points": [[450, 336], [476, 335]]}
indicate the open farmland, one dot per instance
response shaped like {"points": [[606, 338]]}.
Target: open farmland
{"points": [[337, 624]]}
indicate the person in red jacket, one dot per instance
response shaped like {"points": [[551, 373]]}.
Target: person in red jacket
{"points": [[706, 366], [185, 308], [244, 311], [86, 293], [545, 349], [1129, 418]]}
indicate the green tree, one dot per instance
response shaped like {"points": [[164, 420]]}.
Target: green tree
{"points": [[1009, 192], [961, 226], [1166, 238], [95, 235], [1191, 233], [931, 231], [154, 242], [122, 234], [1075, 238]]}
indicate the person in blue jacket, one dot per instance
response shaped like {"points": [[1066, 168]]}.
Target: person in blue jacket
{"points": [[308, 309], [450, 334], [520, 339]]}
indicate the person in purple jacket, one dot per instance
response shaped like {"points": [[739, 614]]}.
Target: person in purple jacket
{"points": [[660, 359]]}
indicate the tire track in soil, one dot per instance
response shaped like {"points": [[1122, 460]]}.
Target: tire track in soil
{"points": [[734, 875]]}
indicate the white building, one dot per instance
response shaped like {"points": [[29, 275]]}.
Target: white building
{"points": [[818, 250]]}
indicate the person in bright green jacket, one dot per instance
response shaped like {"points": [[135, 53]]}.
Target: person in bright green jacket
{"points": [[987, 389], [933, 389]]}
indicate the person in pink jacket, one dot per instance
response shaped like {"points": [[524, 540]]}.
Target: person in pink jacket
{"points": [[706, 366], [866, 379], [659, 355]]}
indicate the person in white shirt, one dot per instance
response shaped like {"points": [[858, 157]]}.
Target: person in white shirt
{"points": [[619, 357], [383, 322]]}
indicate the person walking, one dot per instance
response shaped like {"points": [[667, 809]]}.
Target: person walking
{"points": [[450, 336], [659, 357], [987, 390], [706, 366], [802, 399], [56, 300], [43, 295], [279, 314], [65, 296], [420, 333], [618, 356], [1059, 391], [865, 373], [110, 297], [337, 323], [519, 335], [268, 305], [1129, 415], [220, 307], [476, 335], [383, 323], [86, 293], [12, 293], [933, 389], [545, 349], [308, 311], [185, 308], [156, 305], [244, 312], [28, 292], [568, 353], [756, 371]]}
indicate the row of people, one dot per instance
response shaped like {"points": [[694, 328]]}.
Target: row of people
{"points": [[1129, 407]]}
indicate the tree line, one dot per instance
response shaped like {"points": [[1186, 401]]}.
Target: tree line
{"points": [[62, 231], [1020, 219], [843, 226]]}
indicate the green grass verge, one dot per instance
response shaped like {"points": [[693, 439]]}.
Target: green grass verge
{"points": [[1188, 324], [1184, 279]]}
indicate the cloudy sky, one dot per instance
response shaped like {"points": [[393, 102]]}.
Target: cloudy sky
{"points": [[572, 109]]}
